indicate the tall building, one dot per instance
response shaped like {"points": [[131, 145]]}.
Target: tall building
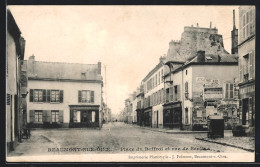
{"points": [[246, 51], [15, 91], [64, 94]]}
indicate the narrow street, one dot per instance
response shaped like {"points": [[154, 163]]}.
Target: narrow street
{"points": [[113, 138]]}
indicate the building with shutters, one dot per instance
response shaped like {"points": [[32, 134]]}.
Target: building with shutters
{"points": [[64, 94], [153, 96], [15, 83], [246, 52], [198, 88]]}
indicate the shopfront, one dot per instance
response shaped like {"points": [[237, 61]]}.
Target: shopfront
{"points": [[172, 115], [84, 116]]}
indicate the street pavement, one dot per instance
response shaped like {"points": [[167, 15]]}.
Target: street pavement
{"points": [[114, 137]]}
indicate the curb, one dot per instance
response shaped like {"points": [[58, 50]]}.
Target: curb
{"points": [[225, 144]]}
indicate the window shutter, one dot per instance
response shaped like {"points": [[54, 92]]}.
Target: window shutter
{"points": [[92, 97], [178, 93], [31, 95], [48, 115], [61, 96], [32, 116], [44, 115], [253, 64], [250, 71], [61, 116], [44, 95], [240, 108], [240, 70], [48, 97], [226, 90], [79, 96], [231, 86]]}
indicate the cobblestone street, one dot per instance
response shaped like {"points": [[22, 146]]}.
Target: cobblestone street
{"points": [[114, 138]]}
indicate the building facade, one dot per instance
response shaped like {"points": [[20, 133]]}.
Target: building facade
{"points": [[153, 96], [246, 51], [15, 91], [64, 94]]}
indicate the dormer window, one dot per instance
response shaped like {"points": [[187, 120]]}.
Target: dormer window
{"points": [[83, 75]]}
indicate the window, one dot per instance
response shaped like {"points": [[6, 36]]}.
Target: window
{"points": [[55, 95], [175, 92], [186, 72], [159, 77], [186, 115], [171, 93], [162, 75], [186, 90], [167, 94], [229, 90], [86, 96], [38, 95], [55, 116], [38, 116], [83, 75], [93, 116], [42, 95], [248, 24]]}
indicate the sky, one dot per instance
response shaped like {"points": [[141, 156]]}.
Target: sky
{"points": [[128, 40]]}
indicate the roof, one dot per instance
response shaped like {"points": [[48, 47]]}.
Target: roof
{"points": [[57, 70], [159, 65]]}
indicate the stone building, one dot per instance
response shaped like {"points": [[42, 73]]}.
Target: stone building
{"points": [[15, 83], [140, 105], [246, 51], [64, 94]]}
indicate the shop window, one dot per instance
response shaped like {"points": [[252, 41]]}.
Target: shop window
{"points": [[93, 116]]}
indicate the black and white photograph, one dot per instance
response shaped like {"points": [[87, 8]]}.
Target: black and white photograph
{"points": [[130, 83]]}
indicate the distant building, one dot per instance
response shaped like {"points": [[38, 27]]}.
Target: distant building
{"points": [[15, 83], [140, 105], [64, 94], [246, 51]]}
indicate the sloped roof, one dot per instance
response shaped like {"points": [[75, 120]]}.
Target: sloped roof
{"points": [[57, 70]]}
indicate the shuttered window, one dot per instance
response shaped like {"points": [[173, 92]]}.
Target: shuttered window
{"points": [[251, 65], [42, 95], [229, 90], [38, 116], [86, 96], [55, 115]]}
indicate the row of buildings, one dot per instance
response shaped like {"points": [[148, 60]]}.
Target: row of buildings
{"points": [[49, 94], [198, 78]]}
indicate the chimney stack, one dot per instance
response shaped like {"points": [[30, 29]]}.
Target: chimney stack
{"points": [[234, 37], [210, 25]]}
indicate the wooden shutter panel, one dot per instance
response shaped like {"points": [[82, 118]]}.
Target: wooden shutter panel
{"points": [[32, 116], [48, 116], [240, 107], [178, 93], [31, 95], [240, 70], [61, 96], [48, 97], [61, 116], [250, 71], [44, 95], [44, 115], [79, 96], [92, 97], [253, 64]]}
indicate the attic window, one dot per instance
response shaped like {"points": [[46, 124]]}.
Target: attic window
{"points": [[83, 75], [208, 58]]}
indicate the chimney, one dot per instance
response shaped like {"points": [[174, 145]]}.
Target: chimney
{"points": [[210, 25], [234, 20], [234, 37], [201, 56], [197, 24], [99, 67]]}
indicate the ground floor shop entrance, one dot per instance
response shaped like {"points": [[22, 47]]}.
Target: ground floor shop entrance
{"points": [[147, 121], [84, 116], [172, 115]]}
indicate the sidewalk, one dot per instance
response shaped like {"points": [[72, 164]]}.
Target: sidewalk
{"points": [[170, 131], [245, 143]]}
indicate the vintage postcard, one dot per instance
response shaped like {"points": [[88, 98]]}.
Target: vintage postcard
{"points": [[130, 83]]}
